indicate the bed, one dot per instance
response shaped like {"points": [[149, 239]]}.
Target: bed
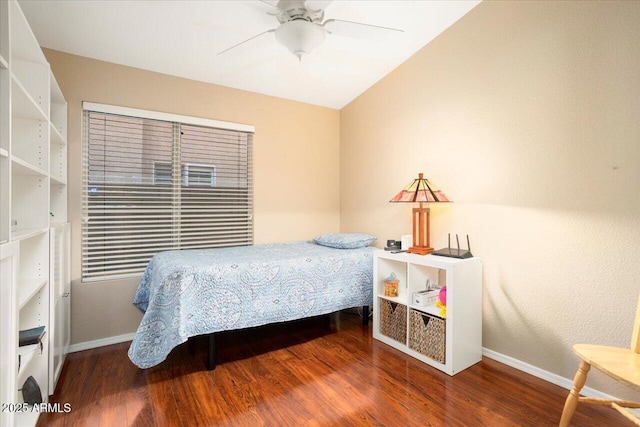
{"points": [[195, 292]]}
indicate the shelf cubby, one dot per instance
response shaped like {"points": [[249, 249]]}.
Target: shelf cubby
{"points": [[30, 201], [33, 78], [419, 275], [31, 143], [22, 103], [383, 270], [28, 288], [35, 312], [34, 262]]}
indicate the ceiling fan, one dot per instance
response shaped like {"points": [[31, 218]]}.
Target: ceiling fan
{"points": [[301, 28]]}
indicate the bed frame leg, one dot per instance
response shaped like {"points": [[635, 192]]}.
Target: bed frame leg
{"points": [[211, 352], [365, 315]]}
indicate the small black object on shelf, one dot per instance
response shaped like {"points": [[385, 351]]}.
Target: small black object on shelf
{"points": [[393, 245], [30, 336], [453, 252]]}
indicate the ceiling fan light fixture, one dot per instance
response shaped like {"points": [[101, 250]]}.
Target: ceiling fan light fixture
{"points": [[300, 36]]}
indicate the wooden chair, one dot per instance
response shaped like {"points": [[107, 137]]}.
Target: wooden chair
{"points": [[620, 364]]}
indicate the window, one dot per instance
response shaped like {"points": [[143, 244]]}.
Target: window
{"points": [[155, 182], [162, 173], [193, 174], [198, 175]]}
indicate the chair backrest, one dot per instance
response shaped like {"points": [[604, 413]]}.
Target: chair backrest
{"points": [[635, 339]]}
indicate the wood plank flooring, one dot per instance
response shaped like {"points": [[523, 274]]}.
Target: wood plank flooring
{"points": [[325, 371]]}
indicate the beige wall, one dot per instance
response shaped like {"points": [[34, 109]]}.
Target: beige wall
{"points": [[527, 115], [296, 167]]}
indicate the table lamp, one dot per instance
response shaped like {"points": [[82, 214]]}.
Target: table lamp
{"points": [[422, 191]]}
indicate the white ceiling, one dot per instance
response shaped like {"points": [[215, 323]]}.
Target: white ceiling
{"points": [[182, 38]]}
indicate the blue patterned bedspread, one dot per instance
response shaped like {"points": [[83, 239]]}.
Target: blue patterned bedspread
{"points": [[193, 292]]}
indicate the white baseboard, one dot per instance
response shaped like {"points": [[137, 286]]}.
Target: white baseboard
{"points": [[542, 374], [88, 345]]}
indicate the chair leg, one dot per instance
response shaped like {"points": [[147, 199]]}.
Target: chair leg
{"points": [[572, 400]]}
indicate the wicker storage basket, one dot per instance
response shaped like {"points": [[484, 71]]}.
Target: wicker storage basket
{"points": [[393, 320], [427, 335]]}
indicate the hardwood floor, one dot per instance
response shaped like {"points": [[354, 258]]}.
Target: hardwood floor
{"points": [[313, 372]]}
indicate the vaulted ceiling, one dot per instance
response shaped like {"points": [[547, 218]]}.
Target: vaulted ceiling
{"points": [[183, 38]]}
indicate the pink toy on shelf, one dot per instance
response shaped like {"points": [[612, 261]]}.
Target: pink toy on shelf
{"points": [[442, 302], [442, 296]]}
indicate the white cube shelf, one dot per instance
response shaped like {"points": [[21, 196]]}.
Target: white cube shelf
{"points": [[450, 343]]}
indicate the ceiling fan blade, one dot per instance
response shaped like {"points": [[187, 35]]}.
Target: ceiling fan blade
{"points": [[359, 30], [272, 3], [273, 7], [317, 5], [247, 40]]}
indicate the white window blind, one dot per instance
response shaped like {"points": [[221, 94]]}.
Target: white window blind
{"points": [[153, 185]]}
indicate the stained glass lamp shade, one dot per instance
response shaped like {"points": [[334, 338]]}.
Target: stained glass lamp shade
{"points": [[421, 191]]}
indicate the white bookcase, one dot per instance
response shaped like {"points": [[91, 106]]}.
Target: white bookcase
{"points": [[34, 250], [451, 343]]}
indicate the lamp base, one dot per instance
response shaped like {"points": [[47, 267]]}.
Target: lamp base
{"points": [[420, 250]]}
